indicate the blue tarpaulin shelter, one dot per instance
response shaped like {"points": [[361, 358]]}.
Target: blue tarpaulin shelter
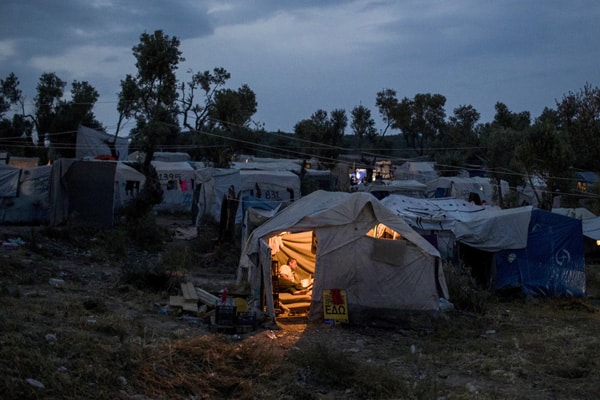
{"points": [[552, 263]]}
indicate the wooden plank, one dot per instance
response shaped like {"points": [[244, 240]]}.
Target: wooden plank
{"points": [[189, 292], [207, 298], [191, 307], [176, 301], [180, 301]]}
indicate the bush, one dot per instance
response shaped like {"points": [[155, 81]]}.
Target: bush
{"points": [[465, 294]]}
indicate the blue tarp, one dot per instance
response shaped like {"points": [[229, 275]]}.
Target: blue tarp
{"points": [[552, 263]]}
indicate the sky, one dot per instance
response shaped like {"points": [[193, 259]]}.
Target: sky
{"points": [[302, 56]]}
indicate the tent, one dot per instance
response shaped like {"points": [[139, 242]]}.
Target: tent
{"points": [[177, 180], [433, 218], [551, 264], [24, 194], [383, 188], [525, 247], [9, 180], [272, 186], [346, 241], [423, 171], [91, 192], [267, 164], [476, 189]]}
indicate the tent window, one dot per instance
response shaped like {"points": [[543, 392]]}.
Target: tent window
{"points": [[380, 231]]}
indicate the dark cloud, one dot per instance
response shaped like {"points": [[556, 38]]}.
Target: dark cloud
{"points": [[300, 56]]}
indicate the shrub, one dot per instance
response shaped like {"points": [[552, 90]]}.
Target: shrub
{"points": [[465, 294]]}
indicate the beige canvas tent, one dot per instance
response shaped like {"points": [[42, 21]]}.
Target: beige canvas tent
{"points": [[347, 241]]}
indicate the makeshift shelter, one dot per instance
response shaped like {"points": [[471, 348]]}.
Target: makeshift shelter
{"points": [[351, 242], [384, 188], [518, 247], [476, 189], [433, 218], [214, 185], [9, 180], [91, 143], [267, 164], [553, 262], [423, 171], [24, 197], [271, 186], [177, 180], [91, 192]]}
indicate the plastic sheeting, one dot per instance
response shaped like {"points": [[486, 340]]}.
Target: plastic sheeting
{"points": [[92, 143], [551, 264]]}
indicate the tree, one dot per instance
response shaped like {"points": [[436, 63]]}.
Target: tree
{"points": [[504, 118], [498, 144], [363, 125], [50, 91], [83, 98], [419, 119], [499, 139], [545, 151], [10, 94], [387, 104], [15, 133], [323, 134], [195, 116], [233, 108], [57, 119], [152, 93], [457, 143], [578, 116]]}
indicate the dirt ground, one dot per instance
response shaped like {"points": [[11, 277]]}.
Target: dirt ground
{"points": [[70, 328]]}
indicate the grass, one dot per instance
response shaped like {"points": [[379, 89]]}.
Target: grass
{"points": [[100, 336]]}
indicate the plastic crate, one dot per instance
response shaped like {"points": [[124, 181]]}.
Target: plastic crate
{"points": [[226, 315]]}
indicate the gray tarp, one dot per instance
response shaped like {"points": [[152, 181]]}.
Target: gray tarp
{"points": [[9, 180], [486, 228]]}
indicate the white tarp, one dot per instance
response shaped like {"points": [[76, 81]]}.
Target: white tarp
{"points": [[581, 213], [423, 171], [486, 228], [496, 229], [215, 185], [92, 143], [273, 186], [462, 188], [267, 164]]}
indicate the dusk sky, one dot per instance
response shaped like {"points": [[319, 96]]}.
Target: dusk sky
{"points": [[301, 56]]}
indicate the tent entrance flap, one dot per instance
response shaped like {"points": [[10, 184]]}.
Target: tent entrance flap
{"points": [[278, 249], [300, 245]]}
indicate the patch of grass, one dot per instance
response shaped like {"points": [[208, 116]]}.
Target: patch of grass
{"points": [[204, 367], [320, 365]]}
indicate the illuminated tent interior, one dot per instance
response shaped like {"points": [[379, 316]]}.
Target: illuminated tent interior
{"points": [[347, 241]]}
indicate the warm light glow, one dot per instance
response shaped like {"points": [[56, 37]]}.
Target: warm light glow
{"points": [[597, 242]]}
